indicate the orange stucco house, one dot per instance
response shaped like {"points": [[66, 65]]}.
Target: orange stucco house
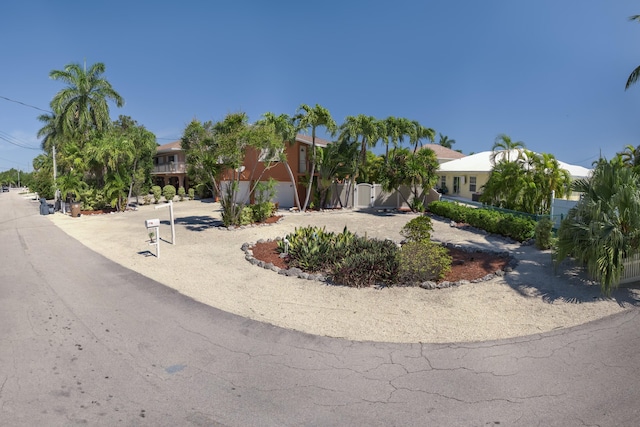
{"points": [[170, 168]]}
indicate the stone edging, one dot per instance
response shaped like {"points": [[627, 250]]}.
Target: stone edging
{"points": [[296, 272]]}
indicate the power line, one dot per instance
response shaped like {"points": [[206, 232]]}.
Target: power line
{"points": [[14, 141], [25, 104]]}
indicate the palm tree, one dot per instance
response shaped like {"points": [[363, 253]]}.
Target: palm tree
{"points": [[313, 118], [504, 146], [630, 156], [604, 227], [285, 128], [417, 133], [635, 74], [396, 129], [445, 141], [82, 105]]}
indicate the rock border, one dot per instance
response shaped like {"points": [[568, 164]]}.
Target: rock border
{"points": [[296, 272]]}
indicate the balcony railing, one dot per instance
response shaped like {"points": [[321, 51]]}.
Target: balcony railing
{"points": [[173, 167]]}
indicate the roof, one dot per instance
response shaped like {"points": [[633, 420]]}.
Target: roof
{"points": [[481, 162], [443, 154], [172, 146], [306, 139], [177, 145]]}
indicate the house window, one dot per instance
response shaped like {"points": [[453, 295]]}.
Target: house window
{"points": [[302, 160], [472, 184], [443, 182]]}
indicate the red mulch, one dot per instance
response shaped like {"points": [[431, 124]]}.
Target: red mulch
{"points": [[465, 265]]}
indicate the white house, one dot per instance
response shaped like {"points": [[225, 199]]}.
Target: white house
{"points": [[465, 177]]}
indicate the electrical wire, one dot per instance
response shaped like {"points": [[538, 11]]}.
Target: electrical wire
{"points": [[14, 141], [25, 104]]}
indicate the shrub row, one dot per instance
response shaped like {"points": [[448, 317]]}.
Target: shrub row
{"points": [[506, 224]]}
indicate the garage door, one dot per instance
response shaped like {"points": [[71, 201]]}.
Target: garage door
{"points": [[284, 195]]}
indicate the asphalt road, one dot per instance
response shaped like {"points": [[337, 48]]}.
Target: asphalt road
{"points": [[84, 341]]}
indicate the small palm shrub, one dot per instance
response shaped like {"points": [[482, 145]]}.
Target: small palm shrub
{"points": [[146, 199], [169, 192], [181, 193], [420, 261], [156, 190], [543, 234]]}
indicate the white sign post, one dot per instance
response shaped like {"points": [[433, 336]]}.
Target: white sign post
{"points": [[173, 228]]}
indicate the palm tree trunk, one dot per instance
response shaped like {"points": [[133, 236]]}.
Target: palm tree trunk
{"points": [[293, 183], [313, 170]]}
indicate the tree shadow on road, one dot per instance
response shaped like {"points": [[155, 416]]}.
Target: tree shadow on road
{"points": [[198, 222]]}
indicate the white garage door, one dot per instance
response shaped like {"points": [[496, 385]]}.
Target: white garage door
{"points": [[284, 195]]}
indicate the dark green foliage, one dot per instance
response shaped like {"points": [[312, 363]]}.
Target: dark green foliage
{"points": [[371, 262], [516, 227], [156, 190], [543, 233], [455, 211], [169, 192], [423, 260], [418, 229]]}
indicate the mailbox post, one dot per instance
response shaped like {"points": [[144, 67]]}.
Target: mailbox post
{"points": [[154, 224]]}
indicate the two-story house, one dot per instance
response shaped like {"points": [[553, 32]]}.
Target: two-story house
{"points": [[170, 168]]}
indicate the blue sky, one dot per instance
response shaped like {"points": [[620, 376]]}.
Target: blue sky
{"points": [[550, 73]]}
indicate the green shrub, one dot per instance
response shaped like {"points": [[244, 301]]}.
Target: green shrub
{"points": [[157, 193], [418, 229], [370, 262], [309, 248], [192, 194], [517, 227], [246, 216], [169, 192], [181, 193], [262, 211], [146, 199], [543, 233], [421, 261], [417, 205]]}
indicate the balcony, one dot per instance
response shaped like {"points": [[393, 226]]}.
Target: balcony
{"points": [[173, 167]]}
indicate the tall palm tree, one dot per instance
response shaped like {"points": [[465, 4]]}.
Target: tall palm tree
{"points": [[285, 128], [635, 74], [417, 133], [82, 105], [313, 118], [445, 141], [504, 146], [396, 129]]}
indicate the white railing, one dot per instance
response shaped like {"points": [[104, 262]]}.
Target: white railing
{"points": [[631, 272], [173, 167]]}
